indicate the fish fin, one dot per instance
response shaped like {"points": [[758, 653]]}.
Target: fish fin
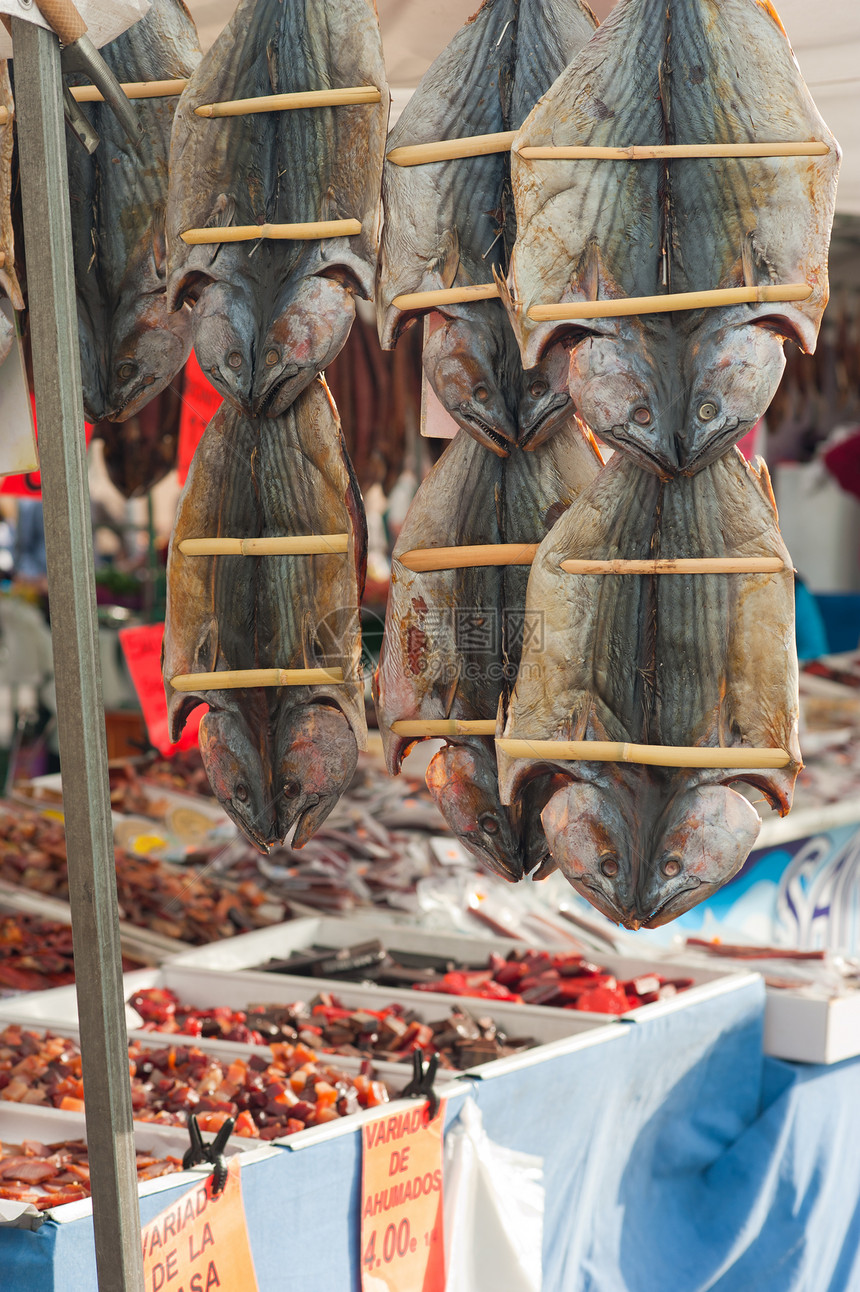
{"points": [[585, 281], [445, 262], [158, 234], [196, 273], [272, 65], [180, 706], [748, 262], [766, 484], [588, 436]]}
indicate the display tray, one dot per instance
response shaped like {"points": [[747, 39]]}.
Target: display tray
{"points": [[249, 950], [555, 1031], [395, 1075], [139, 944], [50, 1125], [174, 823]]}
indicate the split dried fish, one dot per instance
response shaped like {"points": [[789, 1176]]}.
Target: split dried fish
{"points": [[131, 348], [679, 660], [270, 315], [674, 390]]}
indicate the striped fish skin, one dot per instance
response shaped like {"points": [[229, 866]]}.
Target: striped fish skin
{"points": [[277, 167], [276, 755], [307, 613], [447, 652], [131, 346], [447, 222], [689, 71], [678, 660], [210, 626]]}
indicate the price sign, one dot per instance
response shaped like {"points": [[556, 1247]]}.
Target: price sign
{"points": [[402, 1247], [142, 650], [200, 1242]]}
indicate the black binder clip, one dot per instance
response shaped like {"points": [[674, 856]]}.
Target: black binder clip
{"points": [[421, 1085], [212, 1153]]}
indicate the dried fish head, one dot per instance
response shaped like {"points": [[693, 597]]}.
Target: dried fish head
{"points": [[592, 838], [703, 838], [224, 331], [631, 396], [231, 757], [733, 372], [466, 363], [315, 759], [545, 403], [146, 358], [465, 787], [310, 327]]}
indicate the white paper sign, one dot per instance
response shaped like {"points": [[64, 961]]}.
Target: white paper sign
{"points": [[105, 19]]}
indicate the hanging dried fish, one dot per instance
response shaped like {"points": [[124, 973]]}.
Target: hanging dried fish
{"points": [[674, 390], [270, 314]]}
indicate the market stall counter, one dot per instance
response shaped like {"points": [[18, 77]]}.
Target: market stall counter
{"points": [[675, 1156]]}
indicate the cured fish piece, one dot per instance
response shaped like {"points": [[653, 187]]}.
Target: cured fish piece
{"points": [[270, 314], [677, 389], [453, 637], [278, 755], [449, 223], [131, 348], [680, 660]]}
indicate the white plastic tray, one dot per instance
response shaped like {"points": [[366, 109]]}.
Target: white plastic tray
{"points": [[248, 950]]}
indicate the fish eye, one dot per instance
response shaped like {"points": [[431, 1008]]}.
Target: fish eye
{"points": [[242, 793], [642, 415], [608, 866], [126, 370], [272, 357], [538, 388], [292, 789], [488, 823], [481, 394], [234, 359], [671, 867], [708, 411]]}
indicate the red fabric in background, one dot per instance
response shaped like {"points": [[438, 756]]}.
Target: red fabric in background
{"points": [[843, 462], [142, 649], [200, 403], [30, 484]]}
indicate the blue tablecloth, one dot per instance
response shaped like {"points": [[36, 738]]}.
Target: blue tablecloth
{"points": [[677, 1159]]}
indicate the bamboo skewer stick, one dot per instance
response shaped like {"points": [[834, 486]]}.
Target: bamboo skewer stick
{"points": [[450, 149], [609, 751], [252, 232], [648, 152], [424, 559], [681, 565], [232, 679], [445, 727], [666, 304], [133, 90], [296, 545], [2, 259], [446, 296], [345, 97]]}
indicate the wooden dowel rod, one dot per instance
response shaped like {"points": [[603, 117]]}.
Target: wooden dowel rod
{"points": [[667, 304], [2, 259], [350, 94], [682, 565], [133, 90], [231, 679], [297, 545], [450, 149], [252, 232], [446, 296], [607, 751], [445, 727], [648, 152], [423, 559]]}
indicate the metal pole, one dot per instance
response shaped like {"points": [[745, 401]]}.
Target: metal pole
{"points": [[71, 587]]}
